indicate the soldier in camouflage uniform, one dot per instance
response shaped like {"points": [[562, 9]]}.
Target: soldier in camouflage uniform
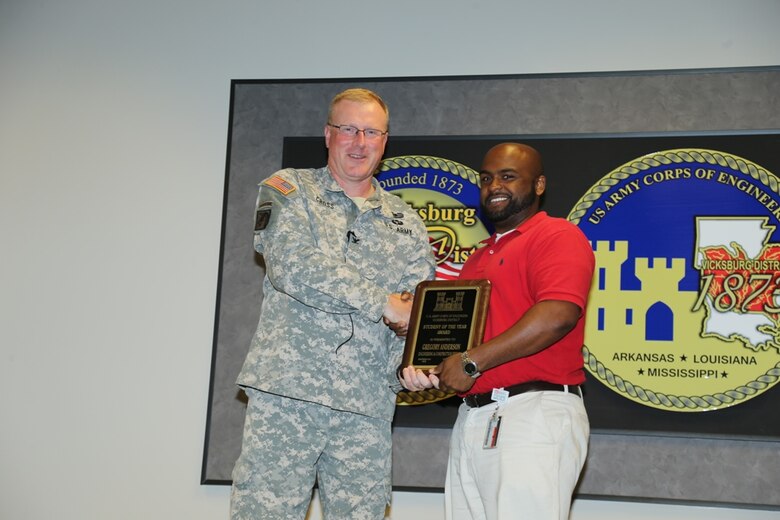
{"points": [[320, 373]]}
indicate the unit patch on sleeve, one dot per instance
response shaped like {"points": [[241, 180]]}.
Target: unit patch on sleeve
{"points": [[262, 216], [280, 185]]}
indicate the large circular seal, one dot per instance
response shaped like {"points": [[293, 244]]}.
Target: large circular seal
{"points": [[684, 310]]}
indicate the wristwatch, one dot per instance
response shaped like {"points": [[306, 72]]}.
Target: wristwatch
{"points": [[469, 366]]}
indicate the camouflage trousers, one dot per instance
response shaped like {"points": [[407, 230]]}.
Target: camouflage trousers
{"points": [[288, 444]]}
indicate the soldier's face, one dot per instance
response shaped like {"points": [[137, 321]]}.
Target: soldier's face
{"points": [[354, 159]]}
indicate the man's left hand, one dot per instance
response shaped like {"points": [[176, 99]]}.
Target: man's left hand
{"points": [[414, 379], [451, 376]]}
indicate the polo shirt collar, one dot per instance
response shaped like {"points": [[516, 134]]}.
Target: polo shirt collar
{"points": [[521, 228]]}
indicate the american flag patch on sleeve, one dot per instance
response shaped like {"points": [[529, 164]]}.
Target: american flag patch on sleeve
{"points": [[280, 185]]}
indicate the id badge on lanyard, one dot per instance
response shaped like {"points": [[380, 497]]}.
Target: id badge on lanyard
{"points": [[494, 424]]}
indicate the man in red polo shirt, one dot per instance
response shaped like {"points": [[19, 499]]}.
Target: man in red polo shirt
{"points": [[520, 440]]}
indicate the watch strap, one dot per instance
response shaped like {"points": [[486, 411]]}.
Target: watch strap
{"points": [[469, 366]]}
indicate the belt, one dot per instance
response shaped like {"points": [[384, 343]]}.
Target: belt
{"points": [[477, 400]]}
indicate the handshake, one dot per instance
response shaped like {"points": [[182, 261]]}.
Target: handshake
{"points": [[398, 310]]}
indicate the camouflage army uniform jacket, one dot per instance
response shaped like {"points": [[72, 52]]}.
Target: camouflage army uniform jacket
{"points": [[329, 270]]}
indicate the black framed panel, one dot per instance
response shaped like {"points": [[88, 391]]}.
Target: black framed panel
{"points": [[264, 113]]}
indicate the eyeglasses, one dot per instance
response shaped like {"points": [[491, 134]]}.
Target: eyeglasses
{"points": [[351, 131]]}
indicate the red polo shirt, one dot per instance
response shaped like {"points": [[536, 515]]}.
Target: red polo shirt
{"points": [[544, 258]]}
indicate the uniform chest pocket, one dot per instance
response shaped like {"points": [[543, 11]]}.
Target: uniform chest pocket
{"points": [[381, 263]]}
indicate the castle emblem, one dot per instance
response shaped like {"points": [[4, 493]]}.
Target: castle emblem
{"points": [[447, 303]]}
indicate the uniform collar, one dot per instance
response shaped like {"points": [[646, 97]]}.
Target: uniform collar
{"points": [[375, 200]]}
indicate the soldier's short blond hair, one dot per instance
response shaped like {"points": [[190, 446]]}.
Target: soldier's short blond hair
{"points": [[360, 95]]}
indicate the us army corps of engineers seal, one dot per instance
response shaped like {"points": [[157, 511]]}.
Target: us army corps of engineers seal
{"points": [[684, 309]]}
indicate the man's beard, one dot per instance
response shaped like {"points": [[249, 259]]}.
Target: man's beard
{"points": [[514, 207]]}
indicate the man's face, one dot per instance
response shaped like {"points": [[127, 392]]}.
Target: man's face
{"points": [[510, 186], [354, 159]]}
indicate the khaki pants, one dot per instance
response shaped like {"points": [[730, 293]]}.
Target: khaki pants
{"points": [[531, 473]]}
